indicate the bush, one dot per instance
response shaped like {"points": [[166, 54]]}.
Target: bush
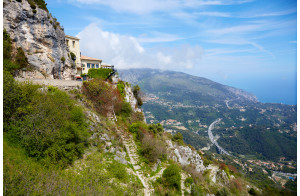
{"points": [[63, 59], [137, 95], [126, 110], [153, 149], [188, 181], [134, 127], [178, 138], [156, 128], [48, 125], [118, 170], [252, 191], [104, 96], [196, 190], [7, 46], [171, 177], [21, 59], [42, 4], [10, 66], [121, 88], [99, 73], [223, 192], [12, 98], [73, 56], [32, 4]]}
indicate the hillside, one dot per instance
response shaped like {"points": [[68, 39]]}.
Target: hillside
{"points": [[92, 139], [176, 86]]}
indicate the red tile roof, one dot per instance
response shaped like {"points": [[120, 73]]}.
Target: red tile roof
{"points": [[89, 58]]}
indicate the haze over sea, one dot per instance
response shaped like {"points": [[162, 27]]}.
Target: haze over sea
{"points": [[270, 91]]}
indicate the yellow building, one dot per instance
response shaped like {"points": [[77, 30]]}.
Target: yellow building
{"points": [[74, 47], [83, 63], [88, 63]]}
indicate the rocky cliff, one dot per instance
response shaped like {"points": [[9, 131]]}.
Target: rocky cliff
{"points": [[40, 36]]}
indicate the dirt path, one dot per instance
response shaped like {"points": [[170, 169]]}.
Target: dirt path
{"points": [[53, 82], [134, 160]]}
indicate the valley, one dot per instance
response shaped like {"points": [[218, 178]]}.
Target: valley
{"points": [[260, 137]]}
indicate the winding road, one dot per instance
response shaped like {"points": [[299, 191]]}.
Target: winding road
{"points": [[212, 138]]}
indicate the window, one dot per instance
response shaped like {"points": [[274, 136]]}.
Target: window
{"points": [[97, 65], [93, 65], [67, 42], [73, 44], [88, 65], [82, 65]]}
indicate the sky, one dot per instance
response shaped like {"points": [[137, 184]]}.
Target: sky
{"points": [[248, 44]]}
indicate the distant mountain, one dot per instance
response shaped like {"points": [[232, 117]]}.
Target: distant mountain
{"points": [[177, 86]]}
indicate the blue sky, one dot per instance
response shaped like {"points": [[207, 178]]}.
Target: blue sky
{"points": [[249, 44]]}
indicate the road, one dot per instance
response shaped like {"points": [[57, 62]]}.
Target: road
{"points": [[53, 82], [212, 138]]}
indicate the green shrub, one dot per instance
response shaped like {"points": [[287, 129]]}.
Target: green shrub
{"points": [[11, 98], [42, 4], [10, 66], [223, 192], [197, 190], [178, 138], [121, 88], [126, 110], [32, 4], [99, 73], [252, 191], [188, 181], [171, 177], [134, 127], [73, 56], [48, 125], [137, 95], [118, 170], [63, 59], [7, 46], [156, 128], [21, 59]]}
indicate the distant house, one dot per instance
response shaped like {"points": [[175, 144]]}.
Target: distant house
{"points": [[88, 63]]}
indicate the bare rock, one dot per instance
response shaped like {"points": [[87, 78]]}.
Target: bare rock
{"points": [[41, 38]]}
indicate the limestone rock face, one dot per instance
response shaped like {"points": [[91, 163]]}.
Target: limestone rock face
{"points": [[185, 156], [43, 43], [129, 97]]}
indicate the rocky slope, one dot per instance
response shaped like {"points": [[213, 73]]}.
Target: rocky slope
{"points": [[40, 36]]}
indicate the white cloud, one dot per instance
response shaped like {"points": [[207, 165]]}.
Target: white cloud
{"points": [[158, 37], [269, 14], [216, 14], [126, 51]]}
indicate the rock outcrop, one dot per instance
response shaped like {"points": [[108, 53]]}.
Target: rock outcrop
{"points": [[41, 37], [185, 156], [129, 97]]}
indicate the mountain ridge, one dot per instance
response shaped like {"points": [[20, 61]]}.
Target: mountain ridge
{"points": [[207, 88]]}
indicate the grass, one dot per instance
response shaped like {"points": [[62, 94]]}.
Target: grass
{"points": [[96, 174]]}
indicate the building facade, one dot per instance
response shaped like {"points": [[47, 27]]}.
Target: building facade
{"points": [[74, 47], [83, 63], [88, 63]]}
